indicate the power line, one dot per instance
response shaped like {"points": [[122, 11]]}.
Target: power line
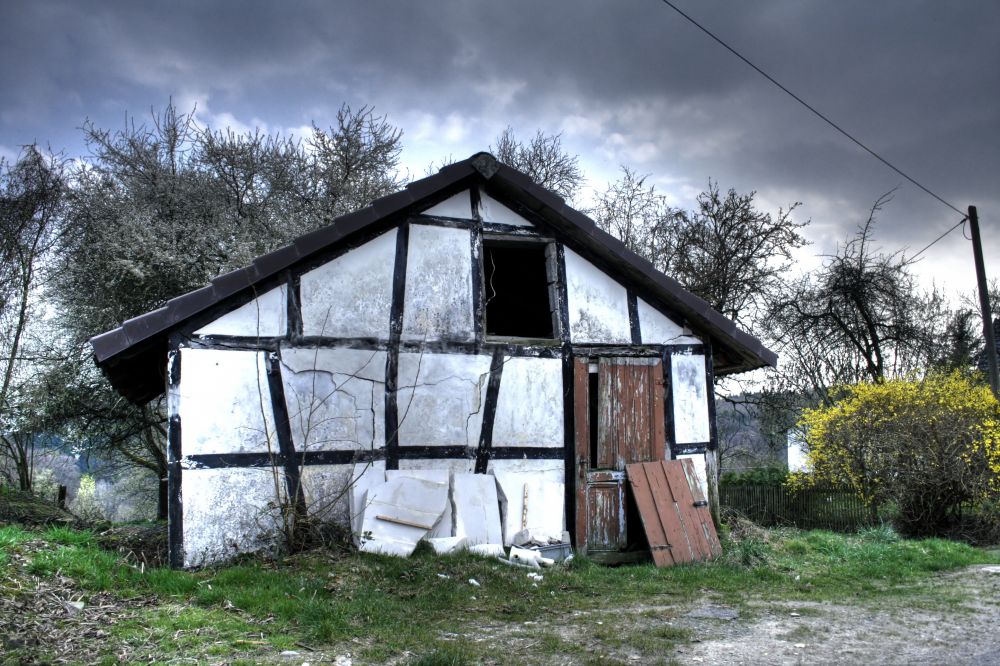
{"points": [[927, 247], [811, 108]]}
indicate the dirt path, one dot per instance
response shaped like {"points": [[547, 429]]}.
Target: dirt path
{"points": [[952, 619], [922, 629]]}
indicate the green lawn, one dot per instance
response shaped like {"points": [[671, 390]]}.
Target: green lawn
{"points": [[425, 607]]}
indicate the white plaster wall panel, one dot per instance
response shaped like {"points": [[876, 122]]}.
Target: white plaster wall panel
{"points": [[226, 512], [351, 296], [477, 508], [543, 480], [263, 317], [699, 469], [326, 489], [225, 402], [458, 205], [690, 395], [438, 302], [530, 403], [598, 305], [335, 398], [492, 210], [445, 526], [440, 398], [396, 509], [364, 477], [657, 329]]}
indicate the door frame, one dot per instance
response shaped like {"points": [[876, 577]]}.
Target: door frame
{"points": [[581, 452]]}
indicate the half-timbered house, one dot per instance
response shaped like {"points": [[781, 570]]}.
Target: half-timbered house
{"points": [[472, 322]]}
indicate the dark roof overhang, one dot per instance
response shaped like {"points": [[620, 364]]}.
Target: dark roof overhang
{"points": [[133, 356]]}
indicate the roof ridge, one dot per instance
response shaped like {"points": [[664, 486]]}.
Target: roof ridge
{"points": [[136, 336]]}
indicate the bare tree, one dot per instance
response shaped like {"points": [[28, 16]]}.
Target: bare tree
{"points": [[543, 159], [860, 317], [727, 252], [638, 216], [32, 194], [731, 254], [160, 208]]}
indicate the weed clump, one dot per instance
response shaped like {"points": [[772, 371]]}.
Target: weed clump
{"points": [[747, 544]]}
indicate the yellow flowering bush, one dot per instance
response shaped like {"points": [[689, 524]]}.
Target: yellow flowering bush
{"points": [[931, 446]]}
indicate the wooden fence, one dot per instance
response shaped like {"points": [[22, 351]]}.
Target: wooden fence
{"points": [[812, 508]]}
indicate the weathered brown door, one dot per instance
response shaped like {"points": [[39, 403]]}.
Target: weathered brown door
{"points": [[618, 413]]}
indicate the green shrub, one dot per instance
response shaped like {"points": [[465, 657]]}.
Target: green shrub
{"points": [[931, 447], [767, 476]]}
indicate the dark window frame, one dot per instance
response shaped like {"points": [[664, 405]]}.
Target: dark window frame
{"points": [[543, 246]]}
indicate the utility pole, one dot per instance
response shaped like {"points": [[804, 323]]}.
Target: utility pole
{"points": [[984, 303]]}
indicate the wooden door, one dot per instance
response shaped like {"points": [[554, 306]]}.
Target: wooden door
{"points": [[618, 414]]}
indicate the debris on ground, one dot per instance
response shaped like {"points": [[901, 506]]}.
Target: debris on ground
{"points": [[141, 544], [26, 508], [50, 619], [392, 511]]}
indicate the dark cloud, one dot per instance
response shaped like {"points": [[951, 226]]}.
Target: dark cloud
{"points": [[627, 81]]}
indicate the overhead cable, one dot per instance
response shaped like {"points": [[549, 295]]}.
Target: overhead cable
{"points": [[813, 109], [927, 247]]}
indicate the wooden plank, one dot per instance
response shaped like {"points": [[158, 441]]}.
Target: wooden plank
{"points": [[685, 542], [660, 546], [656, 403], [699, 513], [677, 530], [581, 426], [401, 521], [700, 548], [607, 422], [606, 516], [694, 485], [638, 444]]}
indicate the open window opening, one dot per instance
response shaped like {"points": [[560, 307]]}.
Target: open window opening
{"points": [[516, 282]]}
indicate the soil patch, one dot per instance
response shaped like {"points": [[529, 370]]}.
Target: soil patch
{"points": [[922, 629]]}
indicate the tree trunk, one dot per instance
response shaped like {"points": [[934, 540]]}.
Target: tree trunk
{"points": [[161, 503]]}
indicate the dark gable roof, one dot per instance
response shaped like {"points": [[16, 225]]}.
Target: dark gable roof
{"points": [[133, 356]]}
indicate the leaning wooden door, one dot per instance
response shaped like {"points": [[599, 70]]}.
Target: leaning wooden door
{"points": [[618, 414]]}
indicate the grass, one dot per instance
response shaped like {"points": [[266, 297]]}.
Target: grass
{"points": [[9, 537], [380, 608]]}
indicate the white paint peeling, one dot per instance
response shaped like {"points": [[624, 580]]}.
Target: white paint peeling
{"points": [[440, 399], [598, 305], [228, 512], [492, 210], [657, 329], [263, 317], [699, 469], [173, 392], [690, 396], [438, 302], [458, 205], [530, 403], [351, 296], [225, 402], [335, 398]]}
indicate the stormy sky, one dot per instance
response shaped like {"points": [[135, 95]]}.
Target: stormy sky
{"points": [[625, 82]]}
